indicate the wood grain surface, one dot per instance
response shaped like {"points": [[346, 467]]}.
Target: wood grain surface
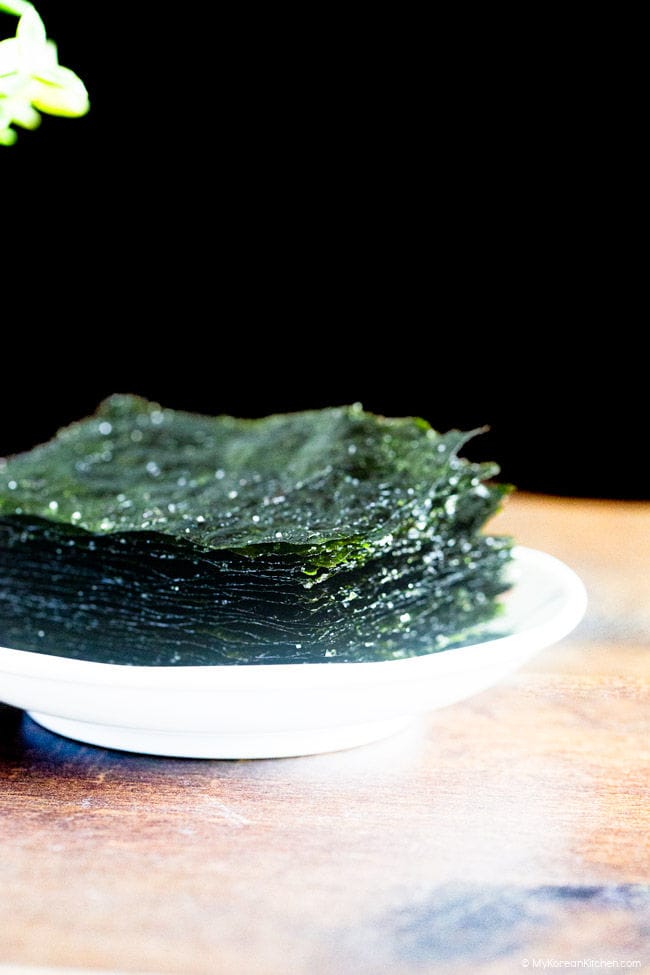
{"points": [[497, 835]]}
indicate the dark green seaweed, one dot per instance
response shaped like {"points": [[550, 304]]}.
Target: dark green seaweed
{"points": [[149, 536]]}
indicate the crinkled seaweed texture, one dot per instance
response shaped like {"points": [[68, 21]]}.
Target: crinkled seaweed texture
{"points": [[151, 536]]}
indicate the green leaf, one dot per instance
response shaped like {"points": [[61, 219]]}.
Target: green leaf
{"points": [[31, 79]]}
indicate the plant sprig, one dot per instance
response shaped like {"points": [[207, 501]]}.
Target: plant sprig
{"points": [[31, 78]]}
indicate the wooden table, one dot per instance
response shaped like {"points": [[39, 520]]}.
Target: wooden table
{"points": [[497, 834]]}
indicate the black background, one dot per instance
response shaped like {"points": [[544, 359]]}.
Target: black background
{"points": [[259, 216]]}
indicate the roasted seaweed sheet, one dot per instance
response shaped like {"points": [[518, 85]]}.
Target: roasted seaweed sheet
{"points": [[144, 535]]}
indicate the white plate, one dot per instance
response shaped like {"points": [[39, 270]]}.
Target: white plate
{"points": [[275, 710]]}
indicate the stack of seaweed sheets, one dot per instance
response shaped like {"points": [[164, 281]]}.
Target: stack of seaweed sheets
{"points": [[149, 536]]}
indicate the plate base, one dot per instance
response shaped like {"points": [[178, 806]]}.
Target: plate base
{"points": [[311, 741]]}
